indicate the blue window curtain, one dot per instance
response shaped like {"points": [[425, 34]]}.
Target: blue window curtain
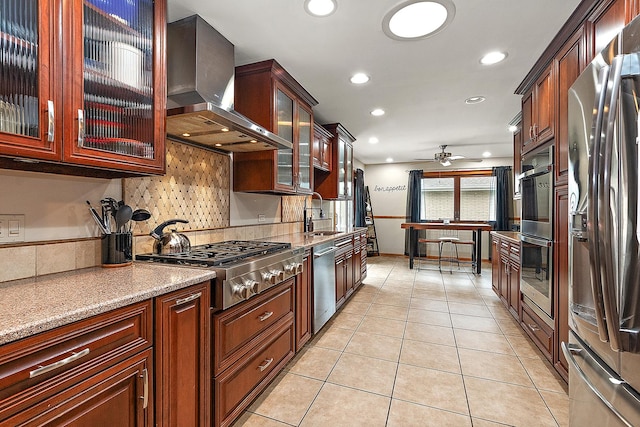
{"points": [[359, 198], [504, 201], [414, 191]]}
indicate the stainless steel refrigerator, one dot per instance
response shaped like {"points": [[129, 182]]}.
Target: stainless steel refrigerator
{"points": [[604, 246]]}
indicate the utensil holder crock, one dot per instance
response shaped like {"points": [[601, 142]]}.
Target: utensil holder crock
{"points": [[116, 249]]}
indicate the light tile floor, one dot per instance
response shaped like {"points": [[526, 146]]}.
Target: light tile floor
{"points": [[416, 348]]}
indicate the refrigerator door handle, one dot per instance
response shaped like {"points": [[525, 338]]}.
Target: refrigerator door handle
{"points": [[604, 204], [569, 350], [592, 211]]}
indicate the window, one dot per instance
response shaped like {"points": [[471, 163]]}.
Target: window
{"points": [[458, 196]]}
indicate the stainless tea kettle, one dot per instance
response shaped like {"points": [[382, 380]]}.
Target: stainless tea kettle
{"points": [[172, 242]]}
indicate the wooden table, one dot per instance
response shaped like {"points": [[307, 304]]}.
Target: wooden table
{"points": [[477, 229]]}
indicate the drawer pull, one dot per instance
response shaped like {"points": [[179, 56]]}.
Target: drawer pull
{"points": [[265, 316], [188, 299], [533, 327], [145, 388], [265, 364], [44, 369]]}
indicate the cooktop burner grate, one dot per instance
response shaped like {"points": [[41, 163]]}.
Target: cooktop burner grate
{"points": [[219, 254]]}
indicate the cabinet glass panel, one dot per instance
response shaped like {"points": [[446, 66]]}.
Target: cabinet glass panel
{"points": [[19, 111], [304, 148], [349, 174], [284, 105], [118, 77], [341, 166]]}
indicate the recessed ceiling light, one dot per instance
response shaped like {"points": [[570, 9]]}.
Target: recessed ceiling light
{"points": [[373, 140], [359, 78], [486, 154], [320, 7], [389, 160], [415, 19], [475, 100], [513, 128], [377, 112], [493, 58]]}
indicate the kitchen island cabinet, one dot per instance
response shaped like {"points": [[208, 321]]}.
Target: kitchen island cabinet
{"points": [[267, 94], [338, 183], [70, 106]]}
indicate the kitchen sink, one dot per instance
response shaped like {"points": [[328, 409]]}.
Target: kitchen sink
{"points": [[324, 233]]}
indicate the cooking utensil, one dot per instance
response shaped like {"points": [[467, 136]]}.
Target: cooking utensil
{"points": [[98, 220], [172, 242], [140, 215], [123, 216]]}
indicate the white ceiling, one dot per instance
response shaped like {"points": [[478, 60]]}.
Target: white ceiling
{"points": [[421, 84]]}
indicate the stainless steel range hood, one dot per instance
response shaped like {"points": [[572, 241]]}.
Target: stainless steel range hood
{"points": [[200, 80]]}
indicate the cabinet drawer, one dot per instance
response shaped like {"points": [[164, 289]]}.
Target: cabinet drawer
{"points": [[239, 385], [38, 367], [121, 395], [541, 334], [240, 328]]}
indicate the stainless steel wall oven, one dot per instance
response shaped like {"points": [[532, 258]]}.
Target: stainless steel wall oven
{"points": [[536, 274]]}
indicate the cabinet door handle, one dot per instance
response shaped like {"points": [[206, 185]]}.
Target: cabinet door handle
{"points": [[44, 369], [51, 128], [188, 299], [530, 132], [265, 316], [145, 388], [265, 364], [80, 128], [533, 327], [535, 131]]}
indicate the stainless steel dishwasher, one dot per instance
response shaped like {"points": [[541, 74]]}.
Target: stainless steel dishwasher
{"points": [[324, 284]]}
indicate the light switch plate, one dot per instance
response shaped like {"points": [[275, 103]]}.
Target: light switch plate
{"points": [[11, 228]]}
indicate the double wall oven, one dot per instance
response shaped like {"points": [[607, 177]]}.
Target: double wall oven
{"points": [[536, 274]]}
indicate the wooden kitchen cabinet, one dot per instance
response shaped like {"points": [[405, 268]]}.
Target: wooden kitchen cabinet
{"points": [[267, 94], [344, 269], [100, 368], [183, 357], [561, 272], [606, 21], [304, 304], [321, 148], [570, 62], [538, 111], [252, 343], [341, 280], [73, 107], [337, 184], [505, 274]]}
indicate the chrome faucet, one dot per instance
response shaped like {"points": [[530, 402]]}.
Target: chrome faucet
{"points": [[308, 225]]}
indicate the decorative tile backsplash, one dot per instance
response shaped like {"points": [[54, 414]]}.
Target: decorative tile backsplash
{"points": [[196, 188]]}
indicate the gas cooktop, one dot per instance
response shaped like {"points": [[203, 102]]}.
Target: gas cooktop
{"points": [[219, 254]]}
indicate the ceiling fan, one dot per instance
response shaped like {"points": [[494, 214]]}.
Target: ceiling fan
{"points": [[445, 158]]}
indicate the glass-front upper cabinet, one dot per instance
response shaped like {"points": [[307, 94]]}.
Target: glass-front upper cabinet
{"points": [[285, 109], [305, 139], [88, 89], [267, 94], [27, 98], [115, 108], [337, 183]]}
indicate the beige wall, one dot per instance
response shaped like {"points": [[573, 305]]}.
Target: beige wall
{"points": [[388, 189]]}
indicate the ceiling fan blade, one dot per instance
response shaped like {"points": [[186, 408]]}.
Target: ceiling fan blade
{"points": [[456, 157]]}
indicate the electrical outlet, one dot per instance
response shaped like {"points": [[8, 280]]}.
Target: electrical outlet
{"points": [[11, 228], [261, 218]]}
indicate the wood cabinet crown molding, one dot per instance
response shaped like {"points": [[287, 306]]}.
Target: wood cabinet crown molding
{"points": [[573, 23]]}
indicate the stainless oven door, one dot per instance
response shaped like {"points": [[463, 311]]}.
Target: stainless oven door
{"points": [[536, 189], [536, 272]]}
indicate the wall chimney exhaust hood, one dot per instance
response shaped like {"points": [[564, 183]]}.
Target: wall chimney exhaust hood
{"points": [[200, 83]]}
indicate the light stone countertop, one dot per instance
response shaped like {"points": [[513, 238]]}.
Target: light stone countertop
{"points": [[308, 240], [31, 306]]}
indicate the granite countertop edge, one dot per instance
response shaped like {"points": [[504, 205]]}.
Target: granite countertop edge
{"points": [[38, 304]]}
